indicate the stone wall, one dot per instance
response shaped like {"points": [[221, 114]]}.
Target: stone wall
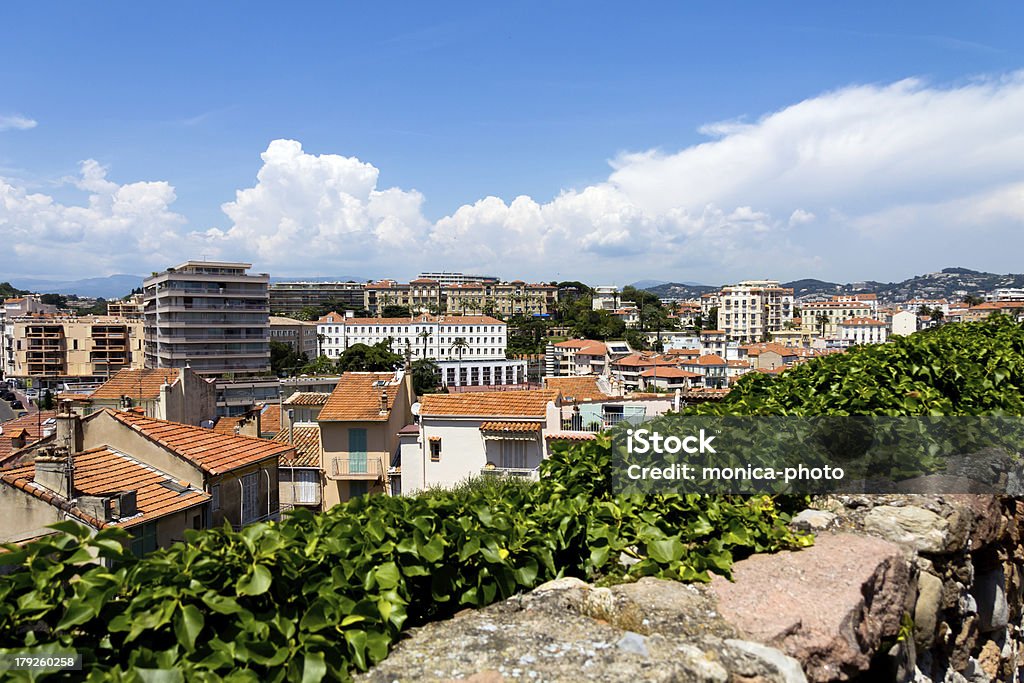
{"points": [[896, 588]]}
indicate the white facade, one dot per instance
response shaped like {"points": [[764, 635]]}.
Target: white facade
{"points": [[425, 336], [904, 323], [606, 298], [864, 331]]}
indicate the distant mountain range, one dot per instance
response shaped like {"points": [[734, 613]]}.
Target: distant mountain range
{"points": [[651, 284], [117, 286], [110, 287], [948, 283]]}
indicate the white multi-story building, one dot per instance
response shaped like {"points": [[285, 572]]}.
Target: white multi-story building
{"points": [[470, 350], [864, 331], [606, 298], [751, 310], [211, 316], [1005, 294], [822, 318]]}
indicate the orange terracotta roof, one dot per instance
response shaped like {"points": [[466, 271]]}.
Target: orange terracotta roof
{"points": [[31, 424], [270, 418], [103, 471], [531, 403], [428, 319], [577, 388], [710, 359], [307, 445], [137, 384], [307, 398], [356, 399], [570, 436], [863, 322], [586, 347], [524, 427], [210, 451], [332, 317], [226, 425]]}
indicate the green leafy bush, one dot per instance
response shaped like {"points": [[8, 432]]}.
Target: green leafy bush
{"points": [[958, 369], [319, 595]]}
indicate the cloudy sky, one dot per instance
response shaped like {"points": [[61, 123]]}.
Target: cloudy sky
{"points": [[591, 141]]}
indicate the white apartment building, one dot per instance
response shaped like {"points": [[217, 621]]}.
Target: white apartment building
{"points": [[444, 277], [1005, 294], [914, 305], [864, 331], [212, 316], [751, 310], [606, 298], [470, 350], [904, 323], [870, 299]]}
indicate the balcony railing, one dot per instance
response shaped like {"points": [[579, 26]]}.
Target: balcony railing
{"points": [[519, 472], [355, 468], [594, 423]]}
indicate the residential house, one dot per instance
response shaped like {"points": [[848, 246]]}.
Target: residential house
{"points": [[300, 477], [175, 394], [477, 434], [864, 331], [359, 427]]}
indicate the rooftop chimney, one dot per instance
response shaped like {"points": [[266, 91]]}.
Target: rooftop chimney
{"points": [[383, 401], [54, 471], [69, 429]]}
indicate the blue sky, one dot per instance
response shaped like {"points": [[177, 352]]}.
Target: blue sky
{"points": [[458, 102]]}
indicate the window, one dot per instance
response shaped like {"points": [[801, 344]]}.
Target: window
{"points": [[250, 497], [435, 449], [357, 489], [215, 497], [357, 450], [307, 484], [144, 539], [513, 455]]}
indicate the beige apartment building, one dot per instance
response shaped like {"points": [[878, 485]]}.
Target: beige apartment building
{"points": [[298, 334], [822, 318], [424, 295], [751, 310], [53, 349]]}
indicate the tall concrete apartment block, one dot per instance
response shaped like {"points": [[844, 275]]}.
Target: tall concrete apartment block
{"points": [[212, 316]]}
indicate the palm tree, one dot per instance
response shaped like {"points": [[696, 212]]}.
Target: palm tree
{"points": [[320, 338], [459, 346], [822, 321], [425, 335]]}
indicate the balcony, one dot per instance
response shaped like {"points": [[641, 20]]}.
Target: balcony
{"points": [[599, 423], [368, 468], [509, 472]]}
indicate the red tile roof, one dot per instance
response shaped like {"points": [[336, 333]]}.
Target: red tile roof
{"points": [[670, 373], [212, 452], [103, 471], [577, 388], [356, 399], [532, 403], [31, 423], [524, 427], [307, 445], [270, 419], [137, 384], [307, 398]]}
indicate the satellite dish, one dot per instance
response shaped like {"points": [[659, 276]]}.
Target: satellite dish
{"points": [[415, 408]]}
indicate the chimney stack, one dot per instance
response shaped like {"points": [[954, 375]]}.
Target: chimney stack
{"points": [[383, 401], [54, 471], [69, 429]]}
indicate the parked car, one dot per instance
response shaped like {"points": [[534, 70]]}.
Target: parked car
{"points": [[31, 393], [7, 395], [16, 405]]}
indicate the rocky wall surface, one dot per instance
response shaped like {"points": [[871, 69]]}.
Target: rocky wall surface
{"points": [[896, 588]]}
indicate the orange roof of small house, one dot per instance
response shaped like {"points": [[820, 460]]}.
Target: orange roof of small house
{"points": [[31, 424], [526, 403], [211, 451], [270, 418], [142, 384], [104, 471], [584, 388], [524, 427], [307, 398], [306, 443], [357, 397], [670, 373]]}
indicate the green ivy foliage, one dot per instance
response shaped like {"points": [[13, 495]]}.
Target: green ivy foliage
{"points": [[317, 596], [958, 369]]}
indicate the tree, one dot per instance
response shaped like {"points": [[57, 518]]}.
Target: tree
{"points": [[972, 300], [711, 322], [822, 321], [58, 300], [393, 311], [321, 366], [308, 313], [364, 358], [425, 336], [46, 402], [426, 376], [459, 346], [284, 359]]}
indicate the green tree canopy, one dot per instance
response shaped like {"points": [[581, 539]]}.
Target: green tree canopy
{"points": [[364, 358]]}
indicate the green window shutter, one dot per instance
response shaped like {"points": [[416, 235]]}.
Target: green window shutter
{"points": [[357, 450]]}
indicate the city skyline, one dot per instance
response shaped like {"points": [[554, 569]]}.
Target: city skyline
{"points": [[896, 155]]}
